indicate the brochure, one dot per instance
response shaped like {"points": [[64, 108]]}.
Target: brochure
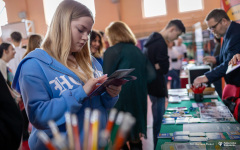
{"points": [[234, 137], [215, 136], [232, 67], [181, 133], [119, 77], [165, 135], [198, 139], [168, 121], [234, 133], [174, 99], [194, 134], [180, 138]]}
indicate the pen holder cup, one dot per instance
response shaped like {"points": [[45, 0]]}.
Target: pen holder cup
{"points": [[198, 97]]}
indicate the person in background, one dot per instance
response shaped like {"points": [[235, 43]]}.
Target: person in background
{"points": [[96, 46], [16, 38], [34, 42], [156, 50], [11, 123], [217, 46], [123, 54], [7, 53], [63, 76], [105, 40], [217, 84], [175, 65], [181, 48], [221, 26]]}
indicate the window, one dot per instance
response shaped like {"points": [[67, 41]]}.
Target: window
{"points": [[190, 5], [153, 8], [51, 5], [3, 15]]}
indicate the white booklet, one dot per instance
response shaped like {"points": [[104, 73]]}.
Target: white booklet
{"points": [[232, 67]]}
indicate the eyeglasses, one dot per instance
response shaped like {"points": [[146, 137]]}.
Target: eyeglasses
{"points": [[213, 27]]}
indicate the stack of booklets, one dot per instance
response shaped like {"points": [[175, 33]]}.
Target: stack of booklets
{"points": [[184, 136], [178, 95], [234, 135], [209, 112], [211, 127], [215, 136], [178, 92], [168, 121], [174, 99], [183, 146]]}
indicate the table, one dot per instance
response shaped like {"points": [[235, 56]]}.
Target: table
{"points": [[170, 128]]}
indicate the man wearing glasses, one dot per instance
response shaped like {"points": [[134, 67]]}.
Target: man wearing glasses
{"points": [[221, 26]]}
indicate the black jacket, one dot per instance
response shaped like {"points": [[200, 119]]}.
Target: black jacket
{"points": [[11, 123], [156, 50], [230, 47]]}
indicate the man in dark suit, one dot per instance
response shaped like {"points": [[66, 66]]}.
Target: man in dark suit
{"points": [[11, 123], [221, 26]]}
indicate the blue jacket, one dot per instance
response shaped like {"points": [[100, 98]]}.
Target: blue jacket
{"points": [[230, 47], [49, 89]]}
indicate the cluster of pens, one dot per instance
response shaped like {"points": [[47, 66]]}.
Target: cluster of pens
{"points": [[112, 137]]}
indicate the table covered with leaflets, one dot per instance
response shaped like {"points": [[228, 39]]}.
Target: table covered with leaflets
{"points": [[188, 124]]}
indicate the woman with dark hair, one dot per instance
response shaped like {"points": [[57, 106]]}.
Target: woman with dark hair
{"points": [[96, 46], [7, 53]]}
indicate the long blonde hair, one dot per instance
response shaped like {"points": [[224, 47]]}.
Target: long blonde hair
{"points": [[120, 32], [33, 42], [57, 42]]}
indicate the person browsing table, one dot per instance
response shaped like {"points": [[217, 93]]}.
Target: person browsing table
{"points": [[58, 77]]}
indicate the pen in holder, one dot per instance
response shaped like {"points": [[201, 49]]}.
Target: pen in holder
{"points": [[198, 92]]}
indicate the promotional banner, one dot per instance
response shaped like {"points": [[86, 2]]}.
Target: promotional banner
{"points": [[199, 41], [232, 8]]}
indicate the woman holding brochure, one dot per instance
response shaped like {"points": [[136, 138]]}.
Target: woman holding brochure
{"points": [[58, 77], [123, 54]]}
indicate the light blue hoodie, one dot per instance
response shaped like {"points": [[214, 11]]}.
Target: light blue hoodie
{"points": [[49, 89]]}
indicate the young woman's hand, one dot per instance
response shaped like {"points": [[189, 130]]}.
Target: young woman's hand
{"points": [[113, 90], [93, 83]]}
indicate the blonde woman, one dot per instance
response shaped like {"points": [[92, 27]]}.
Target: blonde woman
{"points": [[58, 77], [34, 42], [123, 54]]}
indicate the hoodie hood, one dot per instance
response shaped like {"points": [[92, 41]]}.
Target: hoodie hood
{"points": [[155, 36], [44, 57]]}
